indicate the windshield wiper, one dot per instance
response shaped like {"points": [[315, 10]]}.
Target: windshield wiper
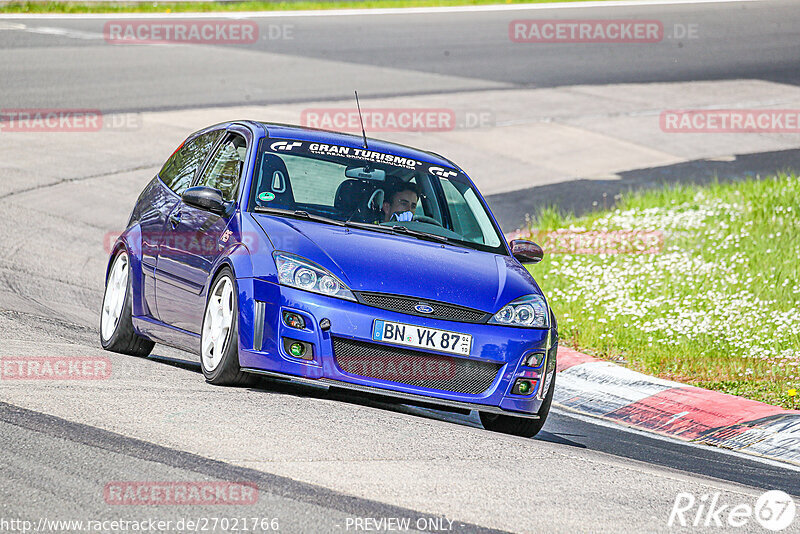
{"points": [[402, 230], [368, 226], [393, 229], [299, 214], [420, 235]]}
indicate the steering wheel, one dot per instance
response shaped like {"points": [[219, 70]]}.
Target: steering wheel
{"points": [[376, 200], [426, 219], [369, 211]]}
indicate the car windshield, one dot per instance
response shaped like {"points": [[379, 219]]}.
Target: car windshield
{"points": [[371, 190]]}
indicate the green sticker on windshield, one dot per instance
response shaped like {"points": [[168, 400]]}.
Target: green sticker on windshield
{"points": [[266, 196]]}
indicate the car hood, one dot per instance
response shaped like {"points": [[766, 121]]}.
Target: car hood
{"points": [[401, 265]]}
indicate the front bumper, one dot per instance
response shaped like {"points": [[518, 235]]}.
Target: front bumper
{"points": [[261, 349]]}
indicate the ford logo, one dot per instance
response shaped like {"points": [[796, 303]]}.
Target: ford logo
{"points": [[423, 308]]}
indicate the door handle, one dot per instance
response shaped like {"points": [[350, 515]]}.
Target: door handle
{"points": [[175, 219]]}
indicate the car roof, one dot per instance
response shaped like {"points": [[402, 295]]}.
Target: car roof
{"points": [[302, 133]]}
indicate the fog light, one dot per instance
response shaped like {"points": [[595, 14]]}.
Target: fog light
{"points": [[298, 349], [294, 320], [523, 387]]}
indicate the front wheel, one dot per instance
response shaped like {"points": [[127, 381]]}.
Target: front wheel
{"points": [[116, 324], [520, 426], [219, 338]]}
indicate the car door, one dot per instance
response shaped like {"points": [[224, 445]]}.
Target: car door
{"points": [[193, 240], [160, 198]]}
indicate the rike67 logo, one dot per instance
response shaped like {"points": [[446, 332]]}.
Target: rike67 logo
{"points": [[774, 510]]}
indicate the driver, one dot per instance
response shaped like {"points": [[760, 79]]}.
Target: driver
{"points": [[400, 202]]}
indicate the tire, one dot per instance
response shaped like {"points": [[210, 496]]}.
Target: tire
{"points": [[520, 426], [116, 326], [219, 336]]}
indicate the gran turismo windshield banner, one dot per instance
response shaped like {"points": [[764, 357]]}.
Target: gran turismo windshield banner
{"points": [[321, 149]]}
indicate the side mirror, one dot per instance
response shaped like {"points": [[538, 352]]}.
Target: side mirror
{"points": [[526, 251], [205, 198]]}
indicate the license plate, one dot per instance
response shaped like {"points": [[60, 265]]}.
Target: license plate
{"points": [[421, 337]]}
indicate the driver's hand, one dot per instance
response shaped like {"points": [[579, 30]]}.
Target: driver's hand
{"points": [[404, 216]]}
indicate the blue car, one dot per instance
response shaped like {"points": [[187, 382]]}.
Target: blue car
{"points": [[335, 260]]}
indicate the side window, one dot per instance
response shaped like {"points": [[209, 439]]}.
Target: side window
{"points": [[464, 221], [181, 167], [225, 168]]}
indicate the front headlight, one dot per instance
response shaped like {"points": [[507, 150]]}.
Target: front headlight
{"points": [[294, 271], [528, 311]]}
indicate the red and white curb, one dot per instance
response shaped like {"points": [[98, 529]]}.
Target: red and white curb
{"points": [[606, 390]]}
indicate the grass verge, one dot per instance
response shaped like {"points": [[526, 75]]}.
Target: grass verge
{"points": [[718, 306], [201, 7]]}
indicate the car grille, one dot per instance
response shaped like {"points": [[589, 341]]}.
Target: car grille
{"points": [[434, 371], [448, 312]]}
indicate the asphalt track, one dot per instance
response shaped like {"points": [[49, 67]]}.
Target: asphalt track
{"points": [[324, 58], [320, 458]]}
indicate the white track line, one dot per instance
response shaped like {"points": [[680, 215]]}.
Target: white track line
{"points": [[366, 12], [61, 32]]}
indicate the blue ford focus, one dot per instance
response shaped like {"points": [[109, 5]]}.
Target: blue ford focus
{"points": [[336, 260]]}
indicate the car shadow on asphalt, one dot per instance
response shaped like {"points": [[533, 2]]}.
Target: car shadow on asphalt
{"points": [[286, 387], [582, 196]]}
